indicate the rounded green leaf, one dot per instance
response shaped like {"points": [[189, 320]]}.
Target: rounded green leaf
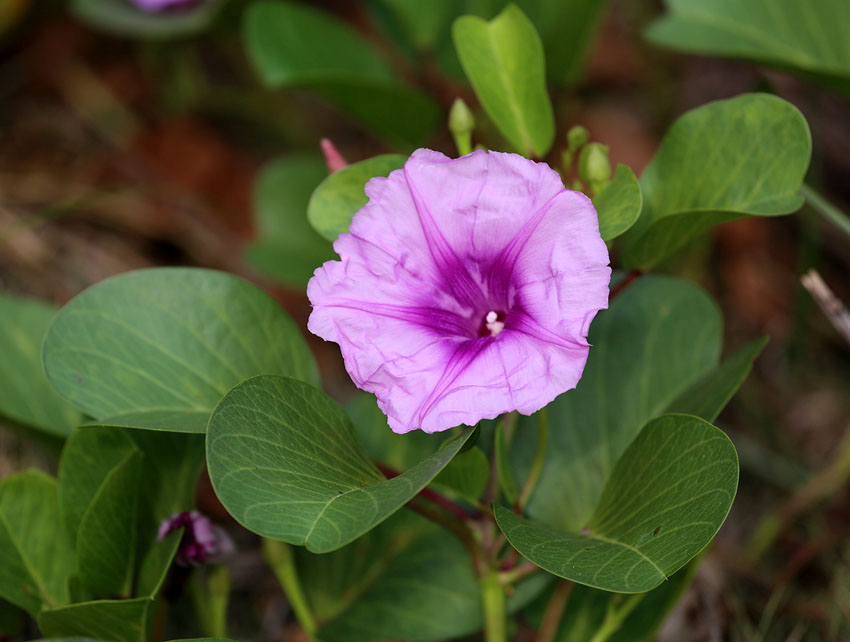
{"points": [[284, 461], [666, 499], [745, 156], [808, 38], [26, 396], [658, 338], [338, 197], [122, 18], [158, 348], [619, 204], [504, 61]]}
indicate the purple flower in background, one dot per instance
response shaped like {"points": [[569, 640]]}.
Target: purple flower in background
{"points": [[465, 289], [202, 542], [153, 6]]}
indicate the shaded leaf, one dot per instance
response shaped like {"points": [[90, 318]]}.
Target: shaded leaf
{"points": [[667, 496], [288, 248], [337, 199], [708, 396], [113, 620], [658, 337], [122, 18], [284, 461], [158, 348], [619, 204], [467, 474], [745, 156], [35, 556], [807, 38], [26, 395], [106, 542], [504, 61]]}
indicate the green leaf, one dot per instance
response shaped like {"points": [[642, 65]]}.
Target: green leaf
{"points": [[467, 474], [294, 45], [504, 61], [26, 395], [708, 396], [155, 565], [811, 39], [35, 556], [389, 583], [288, 248], [113, 620], [341, 194], [501, 451], [745, 156], [158, 348], [667, 496], [619, 204], [87, 458], [284, 461], [106, 542], [122, 18], [658, 337]]}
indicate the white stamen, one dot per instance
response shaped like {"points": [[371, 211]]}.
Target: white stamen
{"points": [[492, 323]]}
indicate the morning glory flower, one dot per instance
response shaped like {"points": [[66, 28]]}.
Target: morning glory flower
{"points": [[202, 542], [152, 6], [465, 289]]}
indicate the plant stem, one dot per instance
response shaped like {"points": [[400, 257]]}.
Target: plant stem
{"points": [[537, 463], [624, 283], [431, 495], [493, 601], [517, 573], [278, 555], [554, 611], [615, 615], [826, 209]]}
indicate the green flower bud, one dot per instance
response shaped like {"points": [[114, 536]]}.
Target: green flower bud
{"points": [[594, 167], [461, 124], [576, 137]]}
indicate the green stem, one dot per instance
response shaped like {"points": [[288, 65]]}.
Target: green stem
{"points": [[539, 456], [825, 208], [278, 555], [615, 616], [493, 601], [554, 611]]}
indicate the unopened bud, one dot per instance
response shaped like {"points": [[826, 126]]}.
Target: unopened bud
{"points": [[594, 167], [333, 159], [576, 137], [202, 541], [461, 124]]}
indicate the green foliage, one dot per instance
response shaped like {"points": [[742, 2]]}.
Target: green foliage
{"points": [[745, 156], [122, 18], [666, 498], [504, 61], [35, 557], [114, 620], [26, 396], [158, 348], [618, 205], [808, 38], [658, 337], [287, 248], [337, 199], [297, 46], [284, 461]]}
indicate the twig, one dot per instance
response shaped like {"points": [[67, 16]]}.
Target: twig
{"points": [[834, 310], [431, 495], [554, 611], [622, 285]]}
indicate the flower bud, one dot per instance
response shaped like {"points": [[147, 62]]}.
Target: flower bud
{"points": [[576, 137], [461, 124], [202, 542], [594, 167]]}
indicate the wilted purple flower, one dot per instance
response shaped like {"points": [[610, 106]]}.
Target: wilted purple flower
{"points": [[152, 6], [202, 542], [465, 289]]}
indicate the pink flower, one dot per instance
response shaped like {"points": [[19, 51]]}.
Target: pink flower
{"points": [[201, 541], [152, 6], [465, 289]]}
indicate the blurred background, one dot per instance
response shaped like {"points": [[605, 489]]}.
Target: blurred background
{"points": [[157, 139]]}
